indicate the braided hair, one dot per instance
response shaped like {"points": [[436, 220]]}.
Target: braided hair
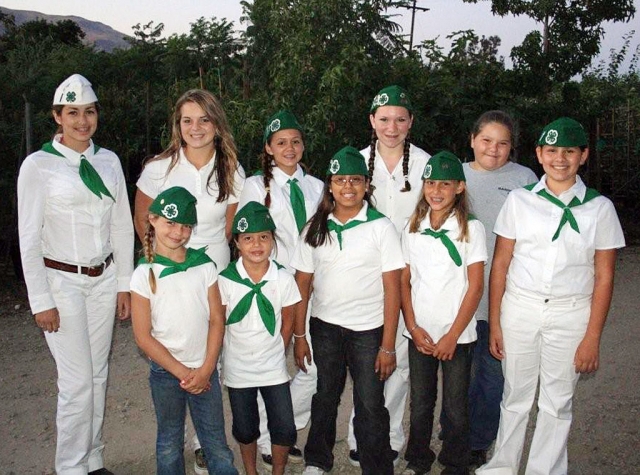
{"points": [[266, 161], [149, 253], [405, 161]]}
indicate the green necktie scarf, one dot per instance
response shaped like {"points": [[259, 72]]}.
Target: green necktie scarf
{"points": [[448, 243], [567, 215], [297, 203], [372, 215], [241, 310], [194, 257]]}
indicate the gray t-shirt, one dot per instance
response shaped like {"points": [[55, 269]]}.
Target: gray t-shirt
{"points": [[487, 191]]}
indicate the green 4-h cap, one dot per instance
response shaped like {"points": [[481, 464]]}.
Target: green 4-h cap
{"points": [[281, 120], [177, 205], [443, 166], [253, 218], [564, 132], [391, 96], [347, 161]]}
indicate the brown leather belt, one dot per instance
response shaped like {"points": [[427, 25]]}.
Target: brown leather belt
{"points": [[94, 271]]}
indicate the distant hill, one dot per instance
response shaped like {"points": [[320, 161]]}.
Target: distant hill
{"points": [[104, 37]]}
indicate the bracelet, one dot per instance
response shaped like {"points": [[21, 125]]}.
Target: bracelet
{"points": [[300, 336], [387, 352], [414, 327]]}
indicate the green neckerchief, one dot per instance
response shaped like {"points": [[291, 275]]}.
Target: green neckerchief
{"points": [[194, 257], [297, 203], [567, 215], [267, 314], [448, 243], [372, 215], [88, 173]]}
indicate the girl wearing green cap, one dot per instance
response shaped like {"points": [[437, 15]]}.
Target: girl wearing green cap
{"points": [[352, 254], [445, 251], [550, 292], [292, 197], [178, 322], [76, 243], [259, 297]]}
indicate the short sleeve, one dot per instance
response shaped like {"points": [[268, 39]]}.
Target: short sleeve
{"points": [[238, 184], [477, 245], [153, 177], [392, 258], [302, 259], [140, 281], [405, 245], [290, 292], [506, 223], [609, 233]]}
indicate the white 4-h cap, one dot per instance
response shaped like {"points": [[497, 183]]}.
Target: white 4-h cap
{"points": [[75, 90]]}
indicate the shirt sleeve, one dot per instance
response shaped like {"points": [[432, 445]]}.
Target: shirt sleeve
{"points": [[476, 248], [140, 281], [223, 285], [609, 233], [32, 193], [392, 257], [290, 291], [505, 223], [253, 191], [404, 240], [121, 232], [152, 178], [302, 259], [239, 178]]}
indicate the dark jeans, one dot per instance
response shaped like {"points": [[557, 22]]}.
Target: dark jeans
{"points": [[335, 349], [423, 370], [170, 402], [485, 392], [246, 419]]}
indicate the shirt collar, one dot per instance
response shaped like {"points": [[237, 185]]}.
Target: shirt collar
{"points": [[70, 154], [282, 178], [361, 216], [579, 189], [450, 224], [271, 274], [185, 161]]}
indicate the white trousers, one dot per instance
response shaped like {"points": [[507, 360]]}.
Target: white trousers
{"points": [[396, 389], [80, 348], [540, 342]]}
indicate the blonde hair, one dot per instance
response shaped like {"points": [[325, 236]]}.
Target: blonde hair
{"points": [[149, 253], [226, 161], [460, 208]]}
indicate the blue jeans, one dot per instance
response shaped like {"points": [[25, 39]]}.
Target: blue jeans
{"points": [[423, 370], [170, 402], [485, 392], [335, 349], [246, 418]]}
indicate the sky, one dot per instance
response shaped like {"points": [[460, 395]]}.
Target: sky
{"points": [[443, 18]]}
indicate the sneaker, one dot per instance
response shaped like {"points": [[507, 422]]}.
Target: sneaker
{"points": [[295, 454], [267, 461], [311, 470], [200, 463], [101, 471], [410, 470], [396, 457], [354, 458], [478, 457]]}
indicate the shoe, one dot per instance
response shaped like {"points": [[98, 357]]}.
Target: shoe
{"points": [[396, 457], [267, 461], [410, 470], [200, 464], [478, 457], [101, 471], [311, 470], [295, 454], [354, 458]]}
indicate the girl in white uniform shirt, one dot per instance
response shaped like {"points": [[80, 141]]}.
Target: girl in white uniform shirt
{"points": [[395, 170], [76, 241], [352, 253], [259, 296], [445, 250], [292, 197]]}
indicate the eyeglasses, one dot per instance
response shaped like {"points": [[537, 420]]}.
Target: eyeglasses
{"points": [[353, 181]]}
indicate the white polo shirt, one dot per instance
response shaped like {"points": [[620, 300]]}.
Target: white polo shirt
{"points": [[564, 267], [347, 283], [60, 218], [389, 200], [281, 211], [210, 230], [179, 309], [438, 286], [252, 357]]}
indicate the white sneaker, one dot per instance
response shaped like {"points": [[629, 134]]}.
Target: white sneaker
{"points": [[200, 465], [311, 470]]}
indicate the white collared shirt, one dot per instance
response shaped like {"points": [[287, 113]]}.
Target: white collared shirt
{"points": [[347, 283], [438, 286], [389, 200], [252, 356], [281, 211], [564, 267], [61, 219], [210, 230]]}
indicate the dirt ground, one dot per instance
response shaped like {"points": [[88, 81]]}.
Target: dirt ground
{"points": [[604, 439]]}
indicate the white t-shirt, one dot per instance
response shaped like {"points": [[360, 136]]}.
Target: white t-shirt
{"points": [[388, 199], [347, 283], [281, 211], [438, 286], [210, 230], [564, 267], [179, 309], [252, 357]]}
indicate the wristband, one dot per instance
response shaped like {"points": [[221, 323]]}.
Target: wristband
{"points": [[414, 327], [387, 352], [300, 336]]}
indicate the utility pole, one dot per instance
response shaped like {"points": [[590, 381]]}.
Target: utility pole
{"points": [[413, 9]]}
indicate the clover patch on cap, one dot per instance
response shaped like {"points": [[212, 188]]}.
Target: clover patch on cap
{"points": [[564, 132], [391, 96], [76, 90], [253, 217], [444, 166], [281, 120], [176, 204]]}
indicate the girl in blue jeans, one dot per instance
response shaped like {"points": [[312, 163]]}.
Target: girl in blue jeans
{"points": [[445, 251], [178, 322]]}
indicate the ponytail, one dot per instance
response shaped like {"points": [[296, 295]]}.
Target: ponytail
{"points": [[149, 253]]}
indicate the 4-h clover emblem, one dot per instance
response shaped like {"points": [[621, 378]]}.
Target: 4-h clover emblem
{"points": [[71, 96], [383, 99], [427, 171], [275, 125], [552, 137], [170, 211], [334, 166], [242, 225]]}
